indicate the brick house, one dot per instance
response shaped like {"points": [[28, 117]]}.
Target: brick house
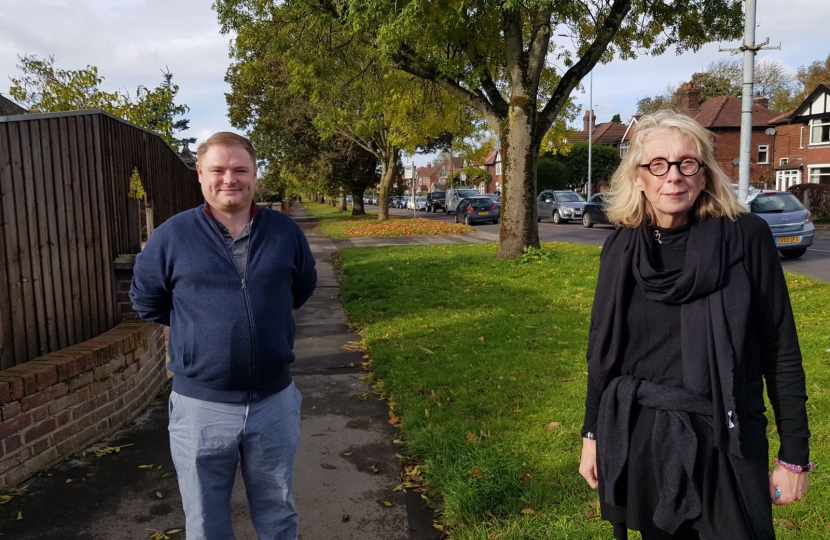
{"points": [[607, 133], [492, 164], [801, 142], [722, 116]]}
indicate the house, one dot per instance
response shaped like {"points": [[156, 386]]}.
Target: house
{"points": [[607, 133], [801, 142], [492, 164], [9, 107], [722, 116]]}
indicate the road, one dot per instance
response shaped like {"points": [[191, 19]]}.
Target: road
{"points": [[815, 263]]}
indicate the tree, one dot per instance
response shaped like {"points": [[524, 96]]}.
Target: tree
{"points": [[351, 94], [497, 58], [809, 77], [725, 78], [604, 161], [44, 88], [616, 119], [552, 173]]}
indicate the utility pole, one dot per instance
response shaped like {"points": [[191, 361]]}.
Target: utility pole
{"points": [[749, 49]]}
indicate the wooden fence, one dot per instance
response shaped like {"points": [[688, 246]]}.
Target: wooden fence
{"points": [[66, 215]]}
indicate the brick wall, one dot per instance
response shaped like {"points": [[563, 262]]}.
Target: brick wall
{"points": [[792, 142], [728, 146], [58, 404]]}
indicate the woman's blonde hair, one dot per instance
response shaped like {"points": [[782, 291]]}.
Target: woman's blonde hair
{"points": [[628, 206]]}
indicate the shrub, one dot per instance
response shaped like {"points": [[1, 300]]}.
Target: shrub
{"points": [[816, 198]]}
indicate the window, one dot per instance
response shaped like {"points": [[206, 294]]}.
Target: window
{"points": [[820, 131], [763, 153], [498, 168], [624, 148], [783, 161], [786, 179], [819, 175]]}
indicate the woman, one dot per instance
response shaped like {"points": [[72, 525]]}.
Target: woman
{"points": [[691, 316]]}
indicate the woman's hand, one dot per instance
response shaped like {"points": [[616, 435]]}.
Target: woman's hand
{"points": [[588, 463], [792, 485]]}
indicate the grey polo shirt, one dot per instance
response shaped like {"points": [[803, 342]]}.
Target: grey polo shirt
{"points": [[238, 247]]}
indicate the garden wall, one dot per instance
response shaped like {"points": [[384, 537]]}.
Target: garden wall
{"points": [[60, 403]]}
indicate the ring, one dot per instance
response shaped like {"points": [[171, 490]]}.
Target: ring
{"points": [[777, 492]]}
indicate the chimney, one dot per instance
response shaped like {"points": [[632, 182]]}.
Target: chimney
{"points": [[690, 98], [590, 116], [760, 100]]}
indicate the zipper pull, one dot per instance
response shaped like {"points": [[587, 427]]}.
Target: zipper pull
{"points": [[243, 283]]}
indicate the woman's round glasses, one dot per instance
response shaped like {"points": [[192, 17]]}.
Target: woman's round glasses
{"points": [[660, 166]]}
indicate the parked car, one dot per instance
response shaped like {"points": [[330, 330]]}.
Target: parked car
{"points": [[594, 211], [495, 196], [436, 200], [419, 203], [560, 206], [791, 223], [454, 196], [478, 209], [397, 202]]}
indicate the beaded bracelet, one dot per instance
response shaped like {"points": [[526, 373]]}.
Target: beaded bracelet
{"points": [[795, 468]]}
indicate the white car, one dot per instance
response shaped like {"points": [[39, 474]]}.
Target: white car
{"points": [[420, 203]]}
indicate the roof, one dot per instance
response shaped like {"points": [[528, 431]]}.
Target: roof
{"points": [[725, 112], [491, 156], [9, 107], [606, 133]]}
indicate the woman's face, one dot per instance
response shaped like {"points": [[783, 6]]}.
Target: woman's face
{"points": [[672, 195]]}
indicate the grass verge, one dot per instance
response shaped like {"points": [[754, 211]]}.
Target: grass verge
{"points": [[483, 361], [337, 224]]}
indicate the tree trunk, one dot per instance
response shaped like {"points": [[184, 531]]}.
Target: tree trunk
{"points": [[357, 202], [520, 155], [389, 158], [341, 201]]}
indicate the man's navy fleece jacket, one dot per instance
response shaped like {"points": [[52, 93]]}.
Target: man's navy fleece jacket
{"points": [[231, 336]]}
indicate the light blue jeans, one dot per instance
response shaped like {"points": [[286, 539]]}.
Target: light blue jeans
{"points": [[209, 440]]}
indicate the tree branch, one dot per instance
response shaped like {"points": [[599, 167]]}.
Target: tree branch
{"points": [[538, 49], [606, 33]]}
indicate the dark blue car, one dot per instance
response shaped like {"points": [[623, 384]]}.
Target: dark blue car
{"points": [[480, 209]]}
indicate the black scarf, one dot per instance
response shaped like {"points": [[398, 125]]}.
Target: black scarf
{"points": [[714, 317]]}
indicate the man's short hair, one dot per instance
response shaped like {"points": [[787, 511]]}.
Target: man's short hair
{"points": [[226, 138]]}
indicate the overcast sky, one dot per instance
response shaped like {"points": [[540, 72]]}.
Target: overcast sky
{"points": [[131, 41]]}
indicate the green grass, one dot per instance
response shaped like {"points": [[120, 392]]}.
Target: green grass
{"points": [[332, 221], [478, 355]]}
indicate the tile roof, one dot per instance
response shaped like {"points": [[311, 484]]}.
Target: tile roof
{"points": [[604, 133], [491, 156], [9, 107], [725, 112]]}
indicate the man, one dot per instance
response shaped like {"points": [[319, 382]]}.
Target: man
{"points": [[225, 277]]}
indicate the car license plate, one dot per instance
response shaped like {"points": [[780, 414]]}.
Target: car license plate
{"points": [[484, 213], [788, 240]]}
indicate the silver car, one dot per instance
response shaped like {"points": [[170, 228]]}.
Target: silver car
{"points": [[791, 223], [560, 206]]}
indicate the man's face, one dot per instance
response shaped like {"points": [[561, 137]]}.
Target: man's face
{"points": [[228, 177]]}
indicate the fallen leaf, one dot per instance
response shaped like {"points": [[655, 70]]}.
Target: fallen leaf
{"points": [[493, 519], [174, 531], [19, 516], [481, 338], [394, 419], [68, 480], [471, 438], [373, 469], [785, 522], [527, 478], [386, 503], [438, 526], [552, 426], [327, 466], [528, 511], [145, 466], [427, 350], [167, 474], [158, 494], [476, 473], [348, 453]]}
